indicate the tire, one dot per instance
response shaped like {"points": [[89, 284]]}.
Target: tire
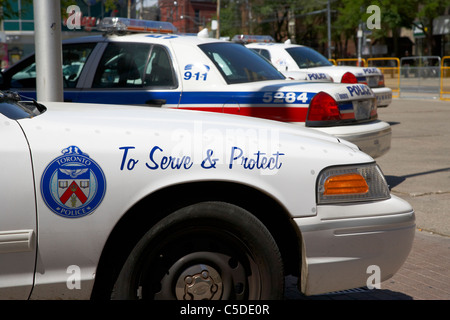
{"points": [[206, 251]]}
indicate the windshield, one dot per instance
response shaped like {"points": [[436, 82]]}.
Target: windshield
{"points": [[308, 58], [12, 107], [238, 64]]}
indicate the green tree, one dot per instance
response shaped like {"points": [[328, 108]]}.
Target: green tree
{"points": [[256, 17], [395, 14], [428, 11], [272, 17], [230, 18], [312, 24]]}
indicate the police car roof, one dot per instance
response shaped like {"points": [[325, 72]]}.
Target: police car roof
{"points": [[273, 44], [136, 30], [144, 37]]}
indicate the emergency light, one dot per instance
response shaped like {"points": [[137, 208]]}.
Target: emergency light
{"points": [[246, 38], [119, 25]]}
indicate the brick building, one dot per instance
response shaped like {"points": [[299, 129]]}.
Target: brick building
{"points": [[189, 16]]}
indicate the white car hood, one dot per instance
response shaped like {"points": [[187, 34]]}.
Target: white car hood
{"points": [[86, 119]]}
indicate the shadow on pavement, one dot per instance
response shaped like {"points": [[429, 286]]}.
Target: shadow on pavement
{"points": [[394, 181], [292, 293]]}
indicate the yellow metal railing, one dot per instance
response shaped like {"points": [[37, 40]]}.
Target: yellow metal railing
{"points": [[445, 73], [390, 67], [351, 62]]}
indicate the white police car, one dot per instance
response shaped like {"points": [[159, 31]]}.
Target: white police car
{"points": [[292, 58], [125, 202], [301, 74], [190, 72]]}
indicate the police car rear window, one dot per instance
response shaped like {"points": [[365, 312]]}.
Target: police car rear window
{"points": [[308, 58], [239, 64], [134, 65], [263, 52]]}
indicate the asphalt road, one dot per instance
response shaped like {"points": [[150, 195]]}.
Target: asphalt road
{"points": [[417, 168]]}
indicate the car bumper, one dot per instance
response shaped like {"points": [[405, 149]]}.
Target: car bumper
{"points": [[341, 244], [383, 95], [373, 138]]}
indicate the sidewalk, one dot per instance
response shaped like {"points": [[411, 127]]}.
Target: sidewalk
{"points": [[417, 169], [426, 273]]}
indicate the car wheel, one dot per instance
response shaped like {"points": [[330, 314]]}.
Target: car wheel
{"points": [[206, 251]]}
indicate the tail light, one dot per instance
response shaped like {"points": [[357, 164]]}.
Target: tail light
{"points": [[323, 108], [381, 81], [349, 78]]}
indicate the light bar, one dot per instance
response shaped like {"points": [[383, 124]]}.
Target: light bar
{"points": [[116, 24], [247, 38]]}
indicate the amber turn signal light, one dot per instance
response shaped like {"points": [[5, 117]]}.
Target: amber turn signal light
{"points": [[351, 183]]}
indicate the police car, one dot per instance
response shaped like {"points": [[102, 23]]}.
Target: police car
{"points": [[292, 58], [124, 202], [301, 74], [189, 72]]}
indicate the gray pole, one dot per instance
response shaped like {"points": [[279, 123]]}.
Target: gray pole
{"points": [[359, 36], [218, 20], [329, 28], [47, 39]]}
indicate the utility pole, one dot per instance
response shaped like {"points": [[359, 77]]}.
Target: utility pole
{"points": [[218, 20], [359, 35], [48, 47], [329, 27]]}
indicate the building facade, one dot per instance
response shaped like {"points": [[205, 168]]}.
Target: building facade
{"points": [[17, 26], [188, 16]]}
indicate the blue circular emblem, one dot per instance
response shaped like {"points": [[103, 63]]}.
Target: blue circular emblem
{"points": [[73, 185]]}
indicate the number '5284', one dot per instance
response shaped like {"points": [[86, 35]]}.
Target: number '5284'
{"points": [[285, 97]]}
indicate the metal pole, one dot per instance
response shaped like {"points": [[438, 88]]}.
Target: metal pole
{"points": [[359, 35], [329, 28], [218, 20], [47, 39]]}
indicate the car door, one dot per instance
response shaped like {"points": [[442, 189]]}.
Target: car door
{"points": [[17, 214], [133, 73], [22, 77]]}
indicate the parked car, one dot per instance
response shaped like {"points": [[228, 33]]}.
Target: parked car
{"points": [[307, 75], [124, 202], [190, 72], [292, 58]]}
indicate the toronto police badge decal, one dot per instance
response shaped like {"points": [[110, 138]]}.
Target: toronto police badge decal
{"points": [[73, 185]]}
